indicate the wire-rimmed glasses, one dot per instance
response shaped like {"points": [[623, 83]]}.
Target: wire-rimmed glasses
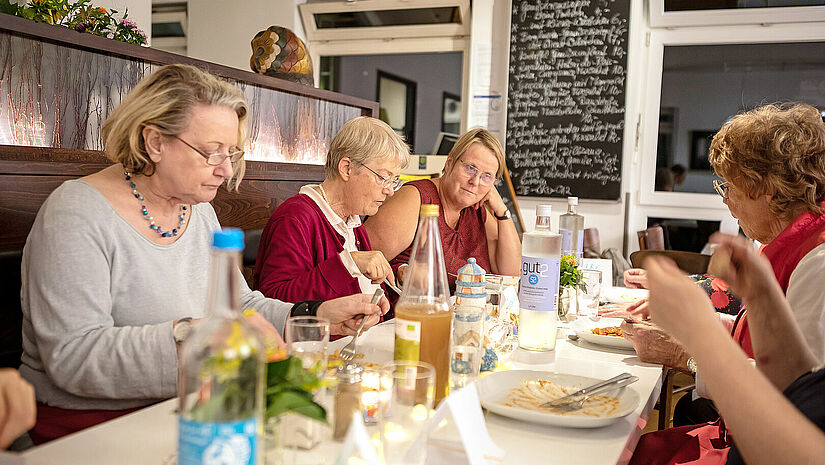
{"points": [[472, 171], [393, 183], [721, 187], [215, 159]]}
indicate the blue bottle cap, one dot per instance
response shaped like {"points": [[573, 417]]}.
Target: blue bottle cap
{"points": [[228, 239]]}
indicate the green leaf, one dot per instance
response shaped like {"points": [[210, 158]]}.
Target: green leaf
{"points": [[299, 402]]}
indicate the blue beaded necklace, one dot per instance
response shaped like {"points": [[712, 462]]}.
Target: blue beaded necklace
{"points": [[148, 217]]}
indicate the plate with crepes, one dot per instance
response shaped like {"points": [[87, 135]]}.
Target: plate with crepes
{"points": [[604, 332], [518, 393]]}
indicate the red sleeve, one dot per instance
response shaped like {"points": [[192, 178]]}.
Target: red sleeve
{"points": [[288, 269]]}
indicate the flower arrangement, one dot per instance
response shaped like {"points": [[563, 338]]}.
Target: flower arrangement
{"points": [[81, 16], [570, 275]]}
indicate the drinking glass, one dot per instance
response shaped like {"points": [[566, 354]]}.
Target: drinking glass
{"points": [[307, 338], [590, 293], [406, 394]]}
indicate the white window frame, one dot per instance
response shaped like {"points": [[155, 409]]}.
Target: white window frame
{"points": [[681, 205], [793, 14], [308, 11]]}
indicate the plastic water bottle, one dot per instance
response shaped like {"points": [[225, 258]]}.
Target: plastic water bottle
{"points": [[571, 228], [221, 387], [538, 297]]}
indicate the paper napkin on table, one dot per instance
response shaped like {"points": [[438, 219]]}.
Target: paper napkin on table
{"points": [[475, 446]]}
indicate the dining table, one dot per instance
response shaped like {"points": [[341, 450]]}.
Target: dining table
{"points": [[149, 436]]}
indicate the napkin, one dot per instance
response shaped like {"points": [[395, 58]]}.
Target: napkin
{"points": [[357, 443], [476, 446]]}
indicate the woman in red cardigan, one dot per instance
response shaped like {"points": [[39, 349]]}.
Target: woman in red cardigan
{"points": [[314, 246]]}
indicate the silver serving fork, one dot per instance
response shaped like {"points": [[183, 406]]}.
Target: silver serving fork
{"points": [[348, 352], [576, 400]]}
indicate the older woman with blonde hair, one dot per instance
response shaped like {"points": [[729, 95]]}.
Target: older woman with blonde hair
{"points": [[314, 245], [464, 193], [116, 265]]}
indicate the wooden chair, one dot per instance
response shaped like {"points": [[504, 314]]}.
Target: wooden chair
{"points": [[690, 262], [591, 245], [652, 238]]}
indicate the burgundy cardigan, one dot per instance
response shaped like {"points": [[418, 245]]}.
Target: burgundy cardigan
{"points": [[298, 255]]}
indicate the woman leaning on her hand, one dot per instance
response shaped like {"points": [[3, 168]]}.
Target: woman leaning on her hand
{"points": [[116, 259]]}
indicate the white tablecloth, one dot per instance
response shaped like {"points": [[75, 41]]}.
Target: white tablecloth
{"points": [[149, 436]]}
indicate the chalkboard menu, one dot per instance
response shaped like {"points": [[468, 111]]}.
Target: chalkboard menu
{"points": [[566, 96]]}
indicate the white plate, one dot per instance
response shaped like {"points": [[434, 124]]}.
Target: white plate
{"points": [[583, 328], [623, 295], [493, 389]]}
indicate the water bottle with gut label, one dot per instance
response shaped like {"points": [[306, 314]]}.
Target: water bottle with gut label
{"points": [[538, 297]]}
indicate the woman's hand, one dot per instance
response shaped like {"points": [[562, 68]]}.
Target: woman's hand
{"points": [[635, 278], [18, 410], [345, 313], [748, 274], [493, 200], [373, 265], [654, 345], [637, 310], [676, 304]]}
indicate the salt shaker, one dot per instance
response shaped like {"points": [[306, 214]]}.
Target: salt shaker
{"points": [[347, 397]]}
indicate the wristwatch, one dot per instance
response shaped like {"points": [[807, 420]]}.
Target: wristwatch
{"points": [[181, 329], [505, 216], [691, 365]]}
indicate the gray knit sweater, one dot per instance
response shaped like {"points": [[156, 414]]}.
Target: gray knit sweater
{"points": [[99, 299]]}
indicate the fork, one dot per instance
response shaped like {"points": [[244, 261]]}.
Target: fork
{"points": [[576, 400], [348, 352]]}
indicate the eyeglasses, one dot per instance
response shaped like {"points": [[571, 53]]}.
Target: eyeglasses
{"points": [[721, 188], [215, 159], [393, 183], [486, 179]]}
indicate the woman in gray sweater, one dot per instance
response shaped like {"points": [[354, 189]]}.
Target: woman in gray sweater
{"points": [[116, 263]]}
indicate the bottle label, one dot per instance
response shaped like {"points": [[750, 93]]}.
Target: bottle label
{"points": [[567, 241], [228, 443], [539, 283], [407, 339]]}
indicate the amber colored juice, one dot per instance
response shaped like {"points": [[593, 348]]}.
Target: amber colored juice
{"points": [[436, 324]]}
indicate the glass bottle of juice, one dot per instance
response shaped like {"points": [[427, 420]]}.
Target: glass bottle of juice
{"points": [[423, 319], [221, 381], [538, 297]]}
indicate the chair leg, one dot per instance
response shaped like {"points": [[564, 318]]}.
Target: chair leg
{"points": [[666, 400]]}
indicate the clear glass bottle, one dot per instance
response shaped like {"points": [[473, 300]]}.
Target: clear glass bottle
{"points": [[571, 228], [423, 319], [538, 296], [222, 375]]}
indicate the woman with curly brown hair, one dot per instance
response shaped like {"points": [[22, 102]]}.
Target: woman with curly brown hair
{"points": [[772, 160]]}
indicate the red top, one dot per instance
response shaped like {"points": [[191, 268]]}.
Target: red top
{"points": [[298, 255], [468, 239]]}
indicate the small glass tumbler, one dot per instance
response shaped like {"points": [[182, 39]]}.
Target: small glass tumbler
{"points": [[590, 293], [406, 401], [307, 338]]}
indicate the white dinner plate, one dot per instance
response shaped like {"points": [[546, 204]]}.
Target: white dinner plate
{"points": [[493, 390], [623, 295], [583, 328]]}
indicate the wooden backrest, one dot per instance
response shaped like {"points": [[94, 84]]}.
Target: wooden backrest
{"points": [[652, 238], [689, 262]]}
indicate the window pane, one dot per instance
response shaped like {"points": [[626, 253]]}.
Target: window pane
{"points": [[440, 15], [704, 85], [694, 5]]}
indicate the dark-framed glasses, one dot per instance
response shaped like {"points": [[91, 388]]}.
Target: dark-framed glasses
{"points": [[721, 187], [393, 183], [214, 159], [472, 171]]}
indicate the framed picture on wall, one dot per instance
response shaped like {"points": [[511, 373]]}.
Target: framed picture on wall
{"points": [[396, 105], [450, 113], [699, 147]]}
